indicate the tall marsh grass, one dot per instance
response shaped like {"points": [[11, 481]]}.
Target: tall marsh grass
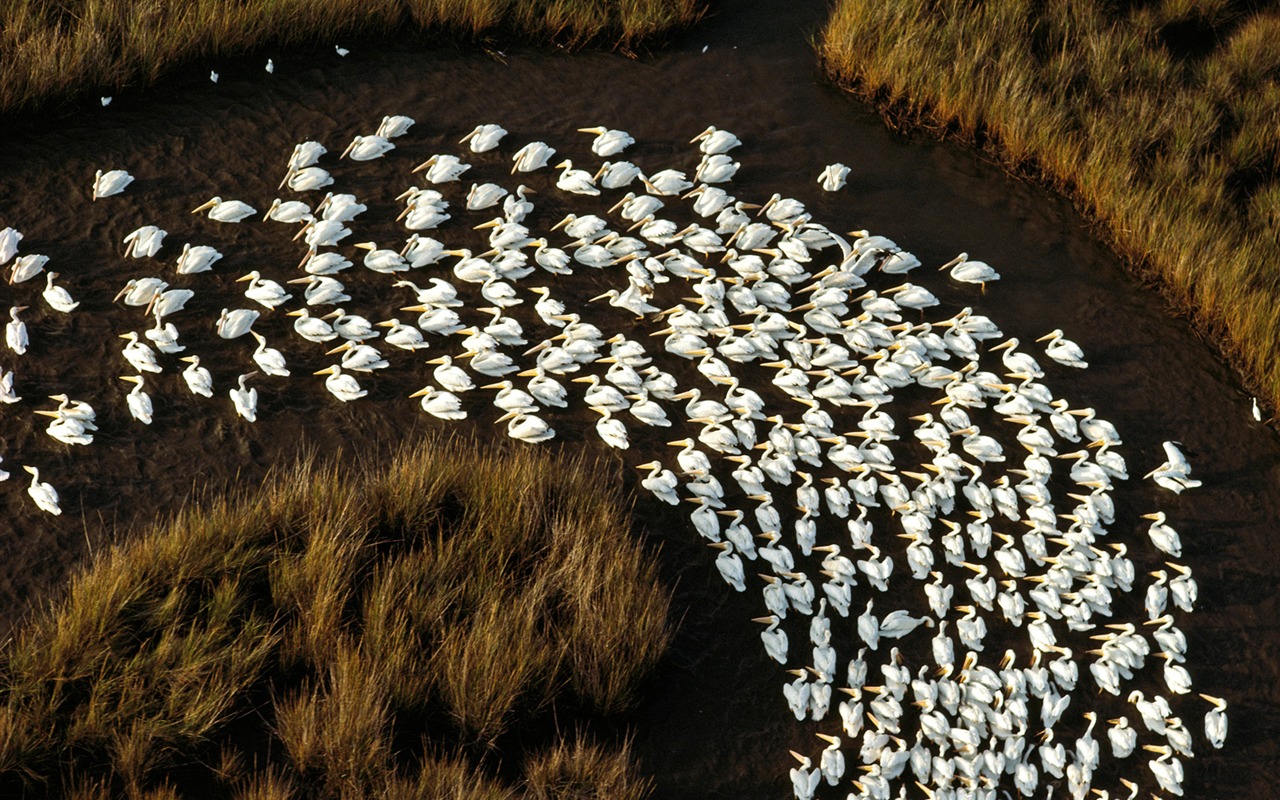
{"points": [[1162, 119], [52, 49], [344, 631]]}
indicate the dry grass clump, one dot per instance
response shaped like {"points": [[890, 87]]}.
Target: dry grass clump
{"points": [[1160, 117], [52, 49], [582, 770], [291, 641]]}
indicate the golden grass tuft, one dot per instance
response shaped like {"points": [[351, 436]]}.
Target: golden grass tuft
{"points": [[52, 49], [579, 769], [1159, 118], [287, 643]]}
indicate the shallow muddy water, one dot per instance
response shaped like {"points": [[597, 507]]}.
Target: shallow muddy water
{"points": [[712, 722]]}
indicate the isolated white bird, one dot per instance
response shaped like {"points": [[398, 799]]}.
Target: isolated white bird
{"points": [[833, 176], [42, 492], [1175, 473], [112, 182]]}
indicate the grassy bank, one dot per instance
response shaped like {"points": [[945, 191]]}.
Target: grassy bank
{"points": [[1161, 118], [409, 629], [53, 49]]}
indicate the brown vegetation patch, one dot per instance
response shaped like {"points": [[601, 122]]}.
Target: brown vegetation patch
{"points": [[1161, 118], [289, 642]]}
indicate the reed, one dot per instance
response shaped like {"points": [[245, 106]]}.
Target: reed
{"points": [[1159, 118], [51, 50], [290, 641]]}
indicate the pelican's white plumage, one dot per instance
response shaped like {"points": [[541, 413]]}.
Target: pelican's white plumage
{"points": [[43, 493], [226, 210], [112, 182]]}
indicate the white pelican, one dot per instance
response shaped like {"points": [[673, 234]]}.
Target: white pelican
{"points": [[729, 565], [833, 177], [667, 182], [198, 379], [306, 154], [367, 148], [611, 430], [527, 427], [774, 638], [139, 354], [323, 263], [58, 298], [322, 290], [344, 387], [1163, 536], [965, 271], [42, 492], [264, 291], [545, 389], [452, 378], [226, 210], [15, 331], [534, 155], [715, 141], [1215, 721], [165, 336], [1063, 350], [140, 291], [511, 399], [341, 207], [9, 239], [617, 174], [170, 301], [436, 320], [576, 181], [1175, 473], [442, 168], [359, 357], [661, 482], [106, 184], [66, 429], [394, 126], [608, 142], [307, 179], [138, 400], [145, 241], [199, 258], [245, 400], [484, 137], [288, 211], [804, 778], [269, 359], [233, 324], [484, 195], [27, 267], [7, 393], [384, 261], [1166, 768], [401, 335], [440, 404], [716, 168], [78, 410]]}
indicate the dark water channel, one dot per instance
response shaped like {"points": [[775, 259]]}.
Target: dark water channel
{"points": [[713, 723]]}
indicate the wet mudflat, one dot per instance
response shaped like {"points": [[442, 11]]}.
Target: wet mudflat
{"points": [[714, 724]]}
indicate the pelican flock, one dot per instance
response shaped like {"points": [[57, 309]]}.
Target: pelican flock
{"points": [[929, 529]]}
